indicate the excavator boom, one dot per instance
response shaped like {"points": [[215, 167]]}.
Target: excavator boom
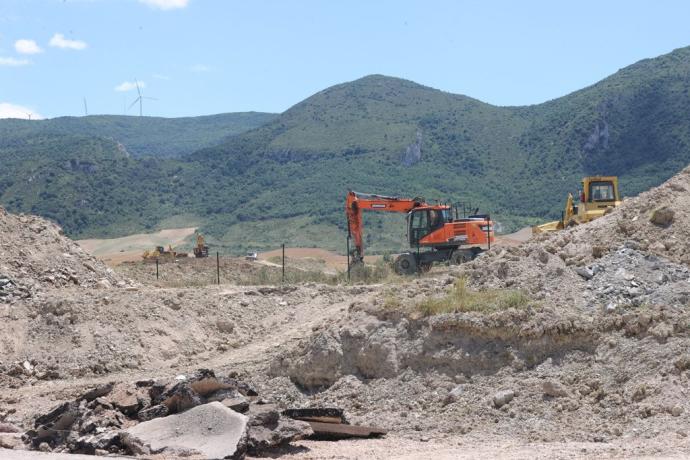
{"points": [[357, 202]]}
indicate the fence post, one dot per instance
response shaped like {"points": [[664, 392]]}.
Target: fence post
{"points": [[283, 263], [218, 267], [156, 268]]}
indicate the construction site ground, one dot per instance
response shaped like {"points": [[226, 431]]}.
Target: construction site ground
{"points": [[578, 346]]}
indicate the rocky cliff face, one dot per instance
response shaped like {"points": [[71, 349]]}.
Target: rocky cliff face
{"points": [[413, 152]]}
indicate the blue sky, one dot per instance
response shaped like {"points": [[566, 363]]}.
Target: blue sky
{"points": [[210, 56]]}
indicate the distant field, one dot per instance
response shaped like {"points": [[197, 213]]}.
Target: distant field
{"points": [[114, 251]]}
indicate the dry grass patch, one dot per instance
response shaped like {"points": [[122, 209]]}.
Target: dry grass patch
{"points": [[462, 299]]}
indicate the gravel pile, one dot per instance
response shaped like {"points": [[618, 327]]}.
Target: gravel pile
{"points": [[36, 256], [630, 278]]}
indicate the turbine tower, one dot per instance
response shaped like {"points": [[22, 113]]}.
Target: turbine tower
{"points": [[140, 99]]}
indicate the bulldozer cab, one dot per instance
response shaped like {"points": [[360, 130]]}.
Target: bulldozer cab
{"points": [[600, 189], [599, 195], [422, 221]]}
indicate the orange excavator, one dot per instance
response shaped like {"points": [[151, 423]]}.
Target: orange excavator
{"points": [[432, 227]]}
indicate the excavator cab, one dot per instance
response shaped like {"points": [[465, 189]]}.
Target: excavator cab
{"points": [[422, 221]]}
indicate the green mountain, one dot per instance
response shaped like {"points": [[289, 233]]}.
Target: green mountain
{"points": [[386, 135], [285, 181], [146, 136]]}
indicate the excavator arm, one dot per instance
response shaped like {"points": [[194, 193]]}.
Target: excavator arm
{"points": [[358, 202]]}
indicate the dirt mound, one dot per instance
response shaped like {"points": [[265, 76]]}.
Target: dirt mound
{"points": [[598, 353], [642, 241], [35, 255], [657, 221], [67, 334]]}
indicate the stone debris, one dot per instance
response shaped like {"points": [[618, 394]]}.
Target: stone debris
{"points": [[211, 430], [629, 277], [502, 398], [554, 389], [662, 217], [267, 428], [171, 416]]}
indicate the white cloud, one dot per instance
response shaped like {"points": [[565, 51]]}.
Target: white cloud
{"points": [[59, 41], [24, 46], [200, 68], [129, 86], [165, 4], [8, 110], [13, 62]]}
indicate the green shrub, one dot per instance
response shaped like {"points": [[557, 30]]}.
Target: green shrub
{"points": [[462, 299]]}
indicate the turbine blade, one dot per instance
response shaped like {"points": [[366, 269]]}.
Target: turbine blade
{"points": [[135, 102]]}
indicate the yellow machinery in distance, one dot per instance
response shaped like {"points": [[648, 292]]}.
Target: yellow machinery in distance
{"points": [[161, 254], [598, 196], [200, 250]]}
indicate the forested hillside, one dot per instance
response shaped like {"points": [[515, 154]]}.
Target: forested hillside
{"points": [[285, 180], [145, 136]]}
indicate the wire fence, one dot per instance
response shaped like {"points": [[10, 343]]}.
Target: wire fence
{"points": [[220, 268]]}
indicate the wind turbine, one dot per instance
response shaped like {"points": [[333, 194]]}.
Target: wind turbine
{"points": [[86, 110], [140, 99]]}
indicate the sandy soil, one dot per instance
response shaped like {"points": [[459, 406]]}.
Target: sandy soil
{"points": [[114, 251], [331, 259], [401, 448], [516, 238]]}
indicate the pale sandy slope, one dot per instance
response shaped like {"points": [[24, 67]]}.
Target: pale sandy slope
{"points": [[129, 248]]}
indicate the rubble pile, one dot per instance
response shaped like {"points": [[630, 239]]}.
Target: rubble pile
{"points": [[35, 255], [202, 414], [630, 278], [10, 291]]}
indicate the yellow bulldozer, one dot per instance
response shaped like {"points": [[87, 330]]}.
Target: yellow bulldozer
{"points": [[598, 196], [161, 254]]}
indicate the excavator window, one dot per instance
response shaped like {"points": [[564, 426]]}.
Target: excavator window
{"points": [[419, 225], [601, 191], [435, 219]]}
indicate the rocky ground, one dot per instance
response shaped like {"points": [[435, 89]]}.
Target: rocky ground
{"points": [[593, 362]]}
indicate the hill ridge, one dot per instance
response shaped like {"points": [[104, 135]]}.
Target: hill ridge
{"points": [[284, 181]]}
